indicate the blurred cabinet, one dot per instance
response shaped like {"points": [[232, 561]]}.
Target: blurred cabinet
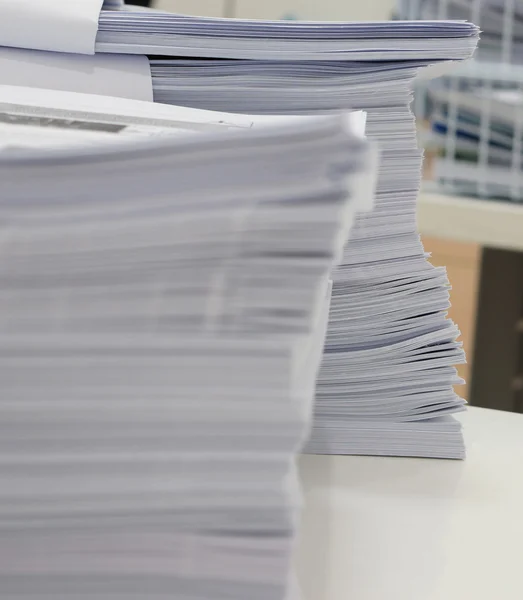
{"points": [[487, 306], [496, 375], [463, 262], [498, 368]]}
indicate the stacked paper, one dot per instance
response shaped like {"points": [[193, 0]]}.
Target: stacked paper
{"points": [[163, 310], [156, 33], [386, 382], [388, 325]]}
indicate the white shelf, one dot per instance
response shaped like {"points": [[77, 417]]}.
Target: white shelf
{"points": [[492, 224], [417, 529]]}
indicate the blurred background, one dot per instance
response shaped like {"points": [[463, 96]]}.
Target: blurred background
{"points": [[470, 124], [281, 9]]}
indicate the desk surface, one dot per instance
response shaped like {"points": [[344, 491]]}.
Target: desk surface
{"points": [[493, 224], [411, 529]]}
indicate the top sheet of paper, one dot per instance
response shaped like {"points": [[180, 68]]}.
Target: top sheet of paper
{"points": [[123, 76], [55, 25]]}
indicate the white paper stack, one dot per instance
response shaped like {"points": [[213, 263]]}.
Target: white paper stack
{"points": [[163, 311], [390, 350], [156, 33], [386, 383]]}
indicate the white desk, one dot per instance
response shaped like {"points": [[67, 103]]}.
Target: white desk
{"points": [[492, 224], [408, 529]]}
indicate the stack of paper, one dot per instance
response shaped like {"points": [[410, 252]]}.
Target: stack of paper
{"points": [[390, 350], [156, 33], [163, 309], [386, 383]]}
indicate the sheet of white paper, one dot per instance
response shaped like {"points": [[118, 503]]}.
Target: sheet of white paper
{"points": [[17, 100], [358, 121], [69, 26], [48, 133], [123, 76], [29, 136]]}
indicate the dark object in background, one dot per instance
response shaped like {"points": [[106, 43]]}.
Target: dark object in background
{"points": [[139, 2], [497, 369]]}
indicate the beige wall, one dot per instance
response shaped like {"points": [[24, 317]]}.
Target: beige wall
{"points": [[276, 9], [211, 8]]}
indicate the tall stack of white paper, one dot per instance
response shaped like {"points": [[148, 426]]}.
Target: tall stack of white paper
{"points": [[163, 311], [386, 382]]}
